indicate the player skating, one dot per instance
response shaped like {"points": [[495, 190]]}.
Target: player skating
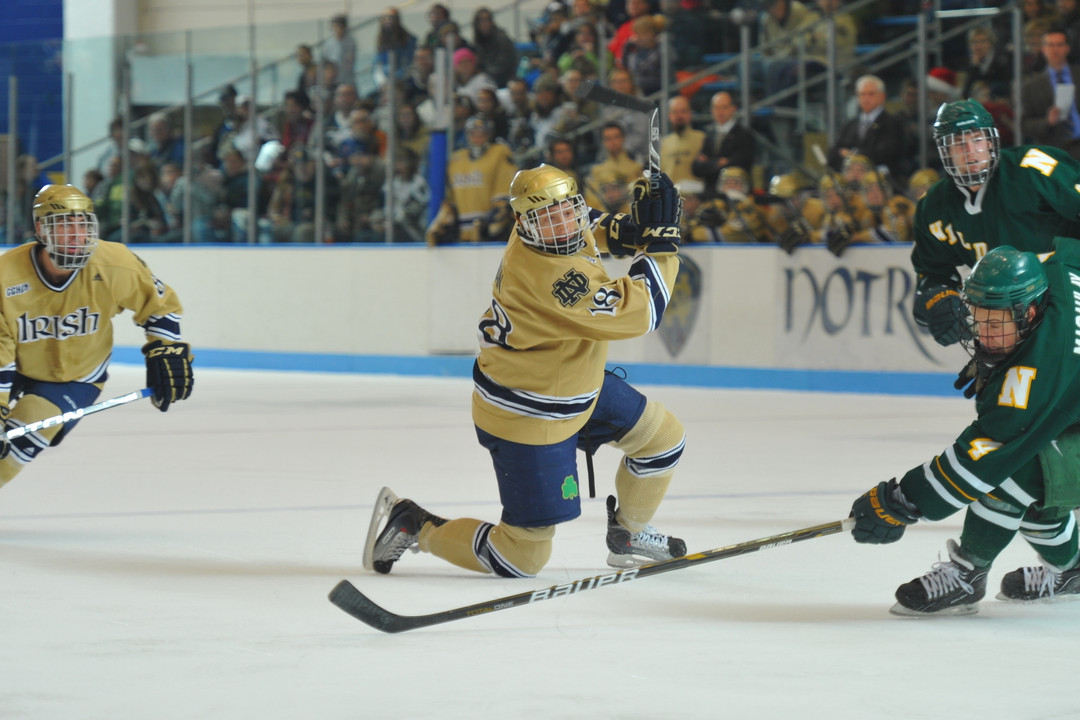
{"points": [[1020, 196], [1016, 466], [541, 391], [59, 297]]}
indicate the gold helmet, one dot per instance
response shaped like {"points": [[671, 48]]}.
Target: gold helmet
{"points": [[735, 173], [66, 225], [785, 186], [551, 213], [921, 180]]}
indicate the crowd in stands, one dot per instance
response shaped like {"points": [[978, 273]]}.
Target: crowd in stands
{"points": [[514, 106]]}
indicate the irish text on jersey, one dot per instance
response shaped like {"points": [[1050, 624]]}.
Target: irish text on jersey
{"points": [[58, 327]]}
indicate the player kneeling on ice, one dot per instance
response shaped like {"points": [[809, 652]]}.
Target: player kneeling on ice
{"points": [[56, 309], [541, 391], [1016, 467]]}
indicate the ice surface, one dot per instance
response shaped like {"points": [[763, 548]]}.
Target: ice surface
{"points": [[177, 565]]}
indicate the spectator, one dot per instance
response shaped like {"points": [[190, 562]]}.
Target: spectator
{"points": [[292, 204], [393, 40], [744, 220], [686, 30], [635, 9], [468, 78], [986, 63], [232, 213], [147, 221], [496, 53], [726, 144], [165, 147], [583, 54], [412, 134], [488, 105], [417, 77], [634, 124], [875, 132], [1044, 122], [247, 116], [410, 193], [361, 199], [340, 49], [93, 184], [574, 113], [608, 185], [363, 135], [782, 19], [112, 148], [680, 147], [205, 191], [442, 27], [1032, 59], [518, 103], [1000, 110], [560, 154], [641, 55], [309, 70], [547, 98], [1068, 18], [337, 124]]}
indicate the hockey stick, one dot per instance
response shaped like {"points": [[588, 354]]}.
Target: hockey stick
{"points": [[590, 90], [348, 598], [78, 413]]}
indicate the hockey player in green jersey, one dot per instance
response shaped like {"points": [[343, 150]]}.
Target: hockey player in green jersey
{"points": [[541, 391], [1016, 467], [59, 297], [1021, 196]]}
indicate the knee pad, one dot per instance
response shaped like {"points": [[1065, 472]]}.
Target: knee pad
{"points": [[514, 552], [655, 443]]}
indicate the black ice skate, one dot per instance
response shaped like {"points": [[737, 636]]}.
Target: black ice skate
{"points": [[950, 588], [1039, 583], [632, 549], [404, 518]]}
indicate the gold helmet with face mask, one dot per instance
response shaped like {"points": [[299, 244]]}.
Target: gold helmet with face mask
{"points": [[551, 213], [65, 223]]}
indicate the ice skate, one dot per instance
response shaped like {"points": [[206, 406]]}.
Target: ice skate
{"points": [[950, 588], [632, 549], [401, 531], [1039, 583]]}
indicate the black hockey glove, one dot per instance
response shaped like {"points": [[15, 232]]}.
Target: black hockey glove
{"points": [[838, 238], [793, 237], [972, 379], [882, 514], [657, 217], [947, 317], [168, 372], [622, 233]]}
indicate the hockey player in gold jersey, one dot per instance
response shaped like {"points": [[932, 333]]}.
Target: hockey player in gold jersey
{"points": [[59, 296], [541, 391]]}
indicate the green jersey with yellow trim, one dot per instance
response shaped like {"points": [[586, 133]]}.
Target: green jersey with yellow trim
{"points": [[1032, 197], [1026, 404]]}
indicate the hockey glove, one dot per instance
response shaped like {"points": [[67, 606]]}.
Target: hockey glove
{"points": [[168, 372], [622, 233], [882, 514], [947, 317], [972, 379], [658, 216], [793, 237], [838, 238]]}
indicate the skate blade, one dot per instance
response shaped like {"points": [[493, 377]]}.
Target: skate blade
{"points": [[1040, 600], [956, 611], [383, 504], [621, 561]]}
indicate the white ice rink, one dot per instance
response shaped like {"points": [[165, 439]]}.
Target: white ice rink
{"points": [[176, 566]]}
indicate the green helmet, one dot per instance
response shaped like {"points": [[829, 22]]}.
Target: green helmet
{"points": [[962, 123], [1008, 279]]}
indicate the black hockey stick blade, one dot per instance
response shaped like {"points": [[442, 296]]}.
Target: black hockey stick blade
{"points": [[347, 597], [591, 90]]}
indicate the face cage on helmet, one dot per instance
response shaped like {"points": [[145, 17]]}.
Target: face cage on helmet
{"points": [[987, 358], [566, 237], [964, 178], [55, 234]]}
